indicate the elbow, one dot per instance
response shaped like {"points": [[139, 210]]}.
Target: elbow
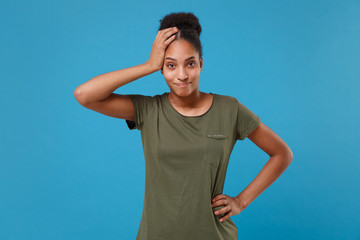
{"points": [[288, 156], [287, 153], [77, 93], [80, 96]]}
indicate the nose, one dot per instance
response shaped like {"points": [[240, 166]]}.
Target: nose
{"points": [[182, 74]]}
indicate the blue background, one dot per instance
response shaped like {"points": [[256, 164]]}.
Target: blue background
{"points": [[67, 172]]}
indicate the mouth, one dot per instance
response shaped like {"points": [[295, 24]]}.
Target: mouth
{"points": [[182, 85]]}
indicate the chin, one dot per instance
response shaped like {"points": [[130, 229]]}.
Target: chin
{"points": [[181, 93]]}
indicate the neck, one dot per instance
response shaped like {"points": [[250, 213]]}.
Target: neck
{"points": [[190, 101]]}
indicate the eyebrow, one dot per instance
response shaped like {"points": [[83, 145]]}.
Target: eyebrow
{"points": [[176, 60]]}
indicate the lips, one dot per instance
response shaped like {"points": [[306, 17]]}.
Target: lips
{"points": [[182, 84]]}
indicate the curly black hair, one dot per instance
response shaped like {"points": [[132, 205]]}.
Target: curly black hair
{"points": [[188, 25]]}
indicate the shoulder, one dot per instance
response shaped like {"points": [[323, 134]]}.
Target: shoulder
{"points": [[227, 100], [233, 101]]}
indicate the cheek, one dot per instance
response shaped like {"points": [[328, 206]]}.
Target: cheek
{"points": [[195, 73], [168, 74], [168, 78]]}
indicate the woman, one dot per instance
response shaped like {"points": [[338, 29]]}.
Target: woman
{"points": [[188, 136]]}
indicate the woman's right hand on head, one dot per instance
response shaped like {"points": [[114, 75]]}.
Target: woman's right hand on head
{"points": [[161, 42]]}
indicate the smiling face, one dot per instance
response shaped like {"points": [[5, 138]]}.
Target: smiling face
{"points": [[182, 68]]}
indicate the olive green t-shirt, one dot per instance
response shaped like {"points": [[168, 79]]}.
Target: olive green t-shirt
{"points": [[186, 159]]}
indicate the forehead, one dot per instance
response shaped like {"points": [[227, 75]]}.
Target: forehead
{"points": [[180, 50]]}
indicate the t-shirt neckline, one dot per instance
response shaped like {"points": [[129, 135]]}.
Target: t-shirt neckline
{"points": [[172, 107]]}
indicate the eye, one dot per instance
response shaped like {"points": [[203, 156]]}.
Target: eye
{"points": [[193, 63], [168, 65]]}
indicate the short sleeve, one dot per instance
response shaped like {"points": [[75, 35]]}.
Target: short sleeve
{"points": [[142, 107], [246, 121]]}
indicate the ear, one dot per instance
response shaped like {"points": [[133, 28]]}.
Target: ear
{"points": [[201, 64]]}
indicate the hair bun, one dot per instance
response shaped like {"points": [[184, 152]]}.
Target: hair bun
{"points": [[181, 20]]}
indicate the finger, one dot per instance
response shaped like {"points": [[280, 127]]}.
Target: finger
{"points": [[221, 201], [171, 32], [218, 203], [227, 216], [223, 210], [166, 30], [162, 31], [217, 197], [169, 29], [169, 40], [163, 36], [157, 35]]}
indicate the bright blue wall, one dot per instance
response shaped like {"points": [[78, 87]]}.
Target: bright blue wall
{"points": [[67, 172]]}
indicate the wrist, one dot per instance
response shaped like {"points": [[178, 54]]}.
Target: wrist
{"points": [[151, 67], [243, 202]]}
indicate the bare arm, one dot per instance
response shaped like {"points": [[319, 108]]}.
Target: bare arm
{"points": [[100, 87], [280, 158], [97, 93]]}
